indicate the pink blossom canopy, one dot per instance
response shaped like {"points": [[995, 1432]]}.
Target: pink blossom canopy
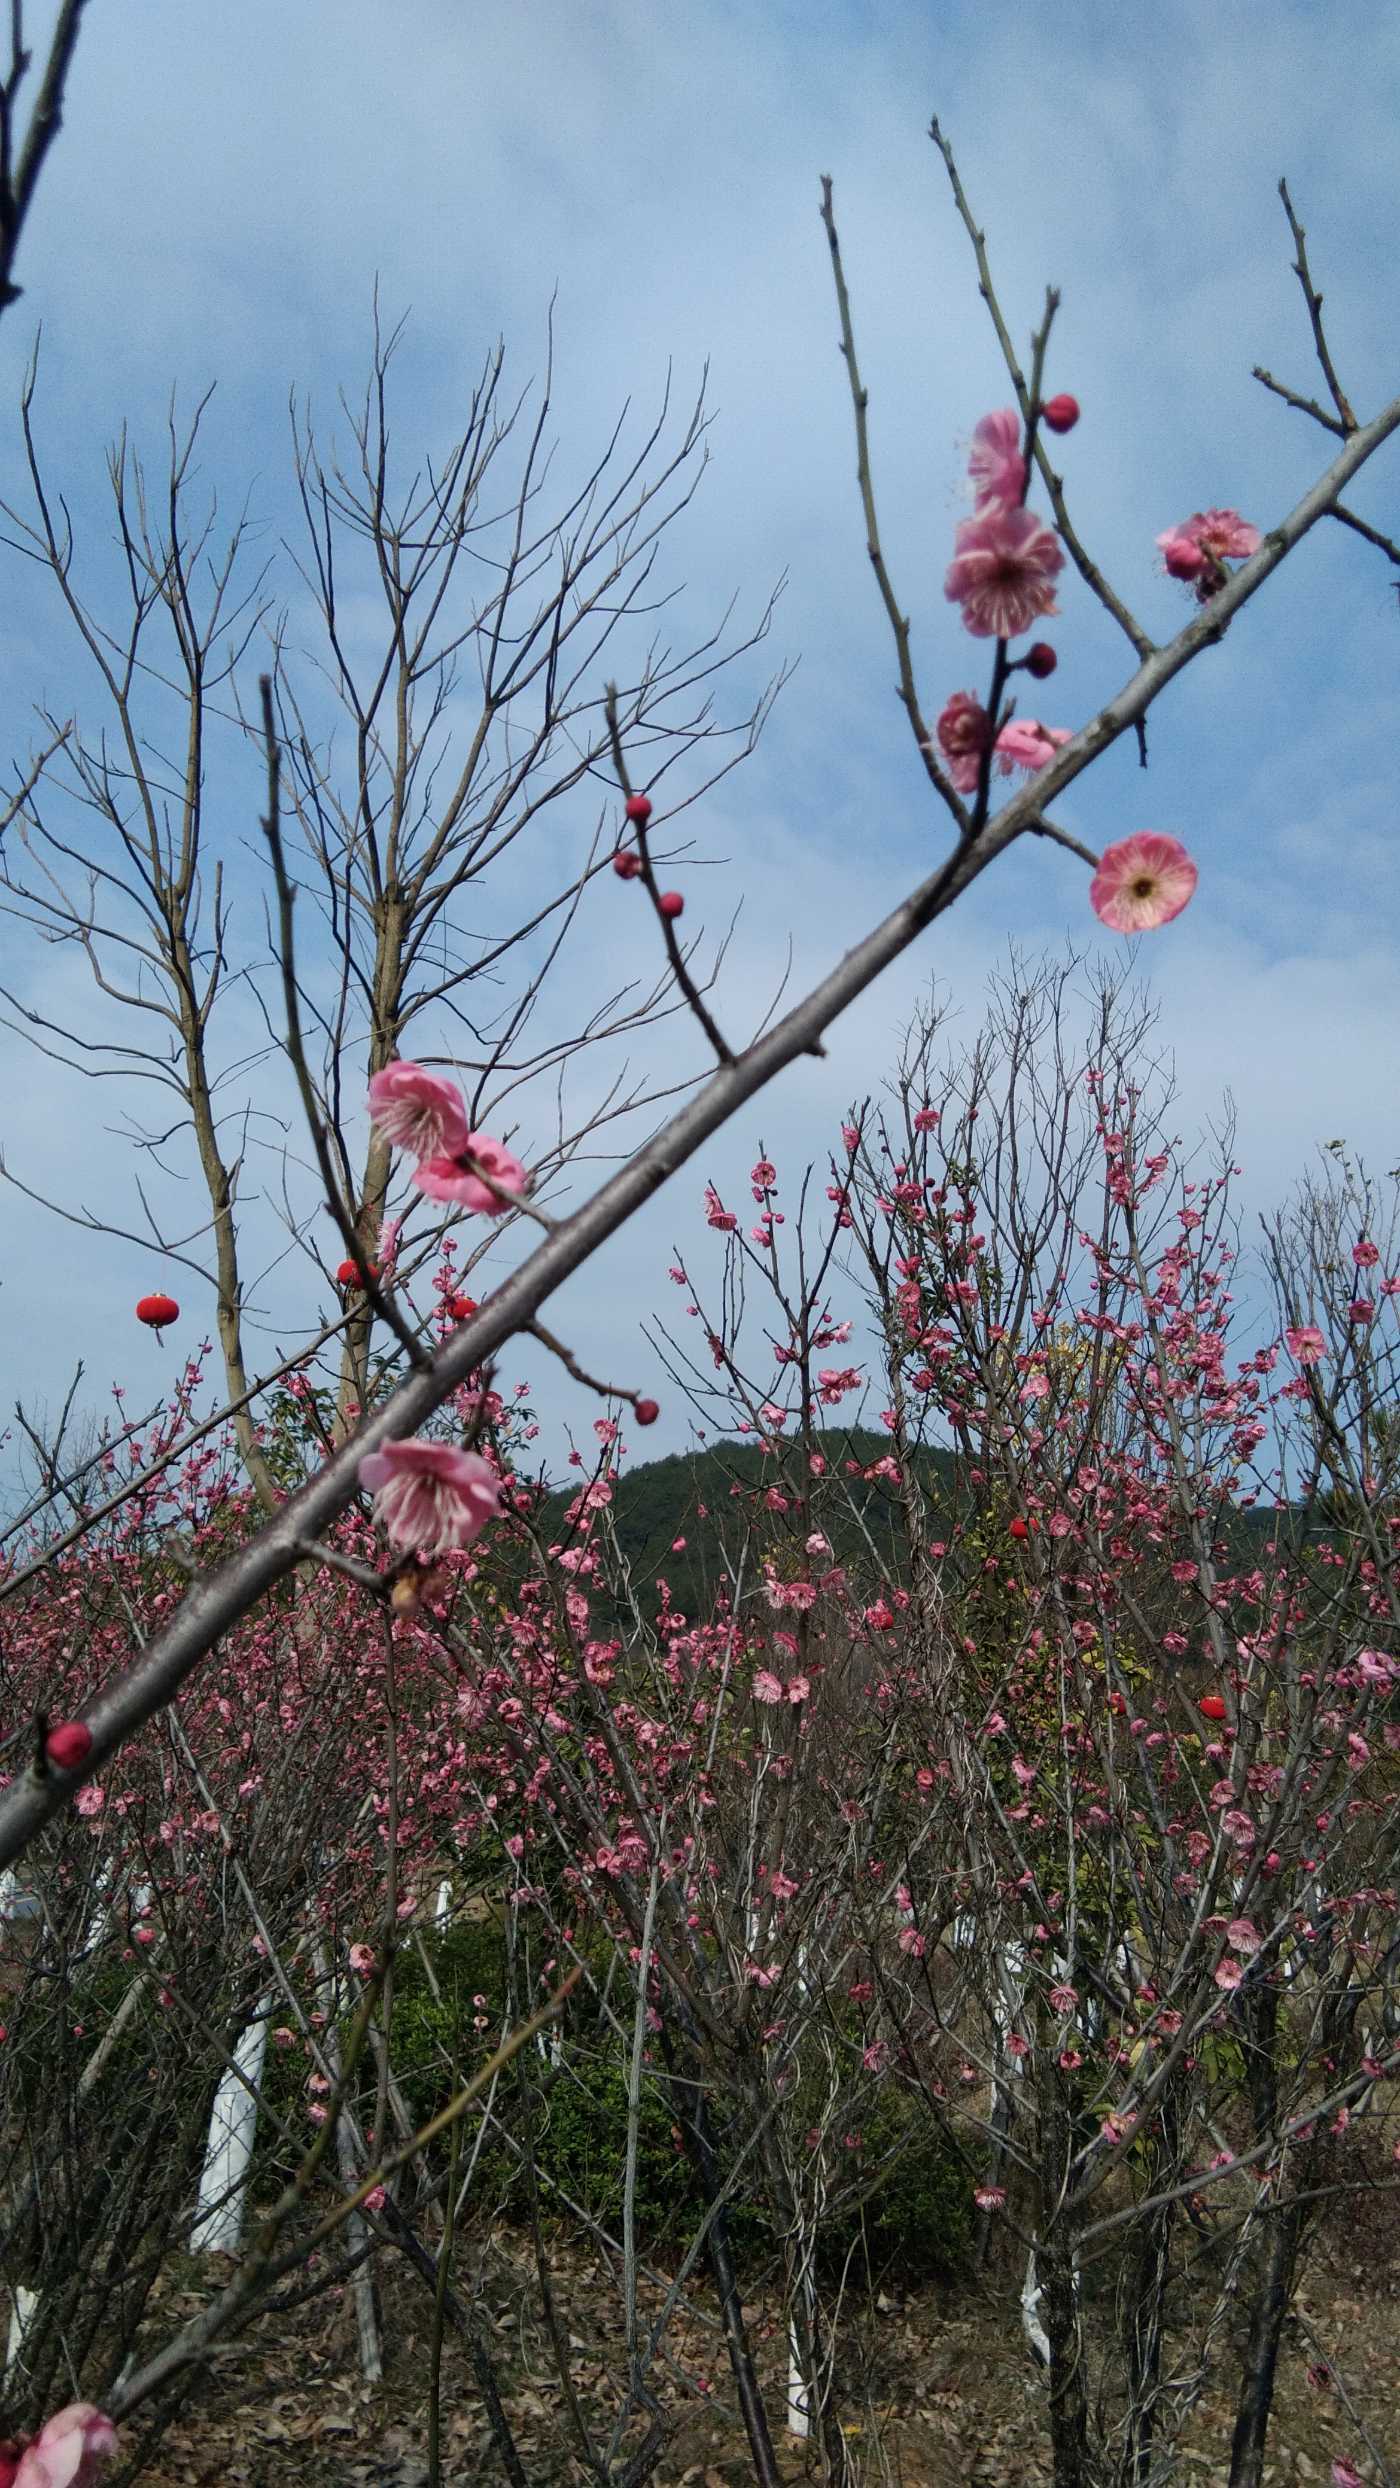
{"points": [[430, 1497], [69, 2450], [473, 1175], [1003, 571], [418, 1110], [1142, 882], [995, 464]]}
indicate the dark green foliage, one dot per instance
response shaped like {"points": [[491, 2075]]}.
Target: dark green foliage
{"points": [[580, 2148], [432, 2033], [917, 2223], [661, 1501], [902, 2204]]}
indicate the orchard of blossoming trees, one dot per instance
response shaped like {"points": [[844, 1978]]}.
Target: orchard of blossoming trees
{"points": [[997, 1873]]}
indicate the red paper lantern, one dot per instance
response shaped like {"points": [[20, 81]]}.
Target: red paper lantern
{"points": [[157, 1311], [351, 1274], [461, 1308], [645, 1411], [1212, 1706]]}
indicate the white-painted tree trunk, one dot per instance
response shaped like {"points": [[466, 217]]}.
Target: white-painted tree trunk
{"points": [[799, 2405], [23, 2308], [228, 2153], [1031, 2324]]}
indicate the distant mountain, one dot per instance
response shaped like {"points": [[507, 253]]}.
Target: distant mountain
{"points": [[678, 1519]]}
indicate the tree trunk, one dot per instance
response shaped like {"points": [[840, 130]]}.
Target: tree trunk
{"points": [[1256, 2398]]}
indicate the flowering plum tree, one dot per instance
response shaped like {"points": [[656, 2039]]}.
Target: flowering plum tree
{"points": [[1045, 1831]]}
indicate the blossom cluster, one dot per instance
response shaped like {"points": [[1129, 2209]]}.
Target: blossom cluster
{"points": [[1002, 576], [419, 1111]]}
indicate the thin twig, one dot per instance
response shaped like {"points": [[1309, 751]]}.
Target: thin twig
{"points": [[674, 953], [1313, 299], [355, 1247], [46, 120], [571, 1365], [1301, 405], [1087, 568], [21, 797], [1384, 544], [1001, 664], [899, 624]]}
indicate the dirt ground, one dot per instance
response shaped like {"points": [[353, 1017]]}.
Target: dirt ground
{"points": [[940, 2391]]}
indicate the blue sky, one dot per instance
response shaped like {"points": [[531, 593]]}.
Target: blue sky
{"points": [[230, 184]]}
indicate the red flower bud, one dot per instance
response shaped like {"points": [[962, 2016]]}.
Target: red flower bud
{"points": [[156, 1311], [1211, 1706], [646, 1411], [68, 1745], [1040, 660], [638, 809], [627, 863], [1061, 413], [671, 903]]}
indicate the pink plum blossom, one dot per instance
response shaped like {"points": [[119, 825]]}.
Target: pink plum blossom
{"points": [[963, 731], [1025, 744], [69, 2449], [1181, 554], [475, 1175], [995, 465], [1142, 882], [430, 1497], [1003, 571], [1199, 548], [989, 2198], [1305, 1343], [418, 1111]]}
